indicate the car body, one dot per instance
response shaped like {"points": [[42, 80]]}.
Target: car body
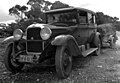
{"points": [[67, 33]]}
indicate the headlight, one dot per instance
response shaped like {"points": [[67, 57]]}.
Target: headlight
{"points": [[18, 34], [45, 33]]}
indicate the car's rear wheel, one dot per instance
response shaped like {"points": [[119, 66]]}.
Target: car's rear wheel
{"points": [[63, 61], [112, 43], [98, 51], [97, 44], [10, 62]]}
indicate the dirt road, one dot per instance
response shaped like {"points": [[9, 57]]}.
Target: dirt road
{"points": [[92, 69]]}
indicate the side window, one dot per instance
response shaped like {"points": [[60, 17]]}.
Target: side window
{"points": [[91, 18], [82, 17]]}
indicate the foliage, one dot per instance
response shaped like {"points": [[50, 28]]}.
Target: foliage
{"points": [[106, 29], [18, 11], [23, 24], [37, 8], [101, 18], [58, 5], [11, 27], [117, 25], [3, 25], [26, 17]]}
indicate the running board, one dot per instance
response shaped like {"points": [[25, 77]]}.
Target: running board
{"points": [[87, 52]]}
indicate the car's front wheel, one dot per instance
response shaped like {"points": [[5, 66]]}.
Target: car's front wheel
{"points": [[10, 62], [63, 61]]}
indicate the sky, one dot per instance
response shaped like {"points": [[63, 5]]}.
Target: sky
{"points": [[108, 7]]}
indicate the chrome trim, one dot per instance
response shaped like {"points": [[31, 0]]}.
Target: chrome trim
{"points": [[49, 34], [21, 34], [24, 37], [29, 53], [36, 25]]}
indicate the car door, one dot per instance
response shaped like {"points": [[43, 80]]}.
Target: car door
{"points": [[92, 27], [81, 33]]}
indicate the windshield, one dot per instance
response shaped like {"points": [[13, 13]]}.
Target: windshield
{"points": [[65, 18]]}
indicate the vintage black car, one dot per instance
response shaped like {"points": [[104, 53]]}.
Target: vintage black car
{"points": [[68, 33]]}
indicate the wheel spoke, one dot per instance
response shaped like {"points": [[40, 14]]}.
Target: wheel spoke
{"points": [[66, 60], [63, 62], [13, 61]]}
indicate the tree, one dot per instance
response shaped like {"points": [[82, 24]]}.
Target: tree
{"points": [[35, 14], [37, 8], [10, 28], [101, 18], [18, 11], [14, 11], [116, 19], [58, 5], [44, 5]]}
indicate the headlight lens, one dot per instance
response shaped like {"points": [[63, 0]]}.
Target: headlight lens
{"points": [[45, 33], [18, 34]]}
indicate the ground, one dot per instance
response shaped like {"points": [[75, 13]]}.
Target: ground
{"points": [[104, 68]]}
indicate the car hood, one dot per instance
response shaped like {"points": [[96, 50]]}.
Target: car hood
{"points": [[37, 25]]}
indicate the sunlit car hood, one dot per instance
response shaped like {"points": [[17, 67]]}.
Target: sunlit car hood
{"points": [[37, 25]]}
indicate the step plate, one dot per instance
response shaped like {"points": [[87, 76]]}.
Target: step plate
{"points": [[87, 52]]}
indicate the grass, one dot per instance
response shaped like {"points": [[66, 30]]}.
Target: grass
{"points": [[2, 49]]}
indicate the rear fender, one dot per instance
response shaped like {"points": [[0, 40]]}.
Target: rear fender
{"points": [[99, 36], [92, 36], [69, 41]]}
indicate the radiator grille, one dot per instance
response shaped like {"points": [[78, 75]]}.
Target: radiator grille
{"points": [[34, 46], [33, 33], [34, 41]]}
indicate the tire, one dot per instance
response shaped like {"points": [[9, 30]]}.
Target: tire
{"points": [[98, 45], [11, 64], [112, 43], [63, 62]]}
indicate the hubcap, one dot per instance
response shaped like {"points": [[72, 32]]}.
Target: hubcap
{"points": [[13, 61]]}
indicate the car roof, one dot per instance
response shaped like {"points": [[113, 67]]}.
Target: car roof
{"points": [[70, 8]]}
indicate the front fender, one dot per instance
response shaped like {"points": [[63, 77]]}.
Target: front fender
{"points": [[8, 40], [61, 39], [68, 40]]}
